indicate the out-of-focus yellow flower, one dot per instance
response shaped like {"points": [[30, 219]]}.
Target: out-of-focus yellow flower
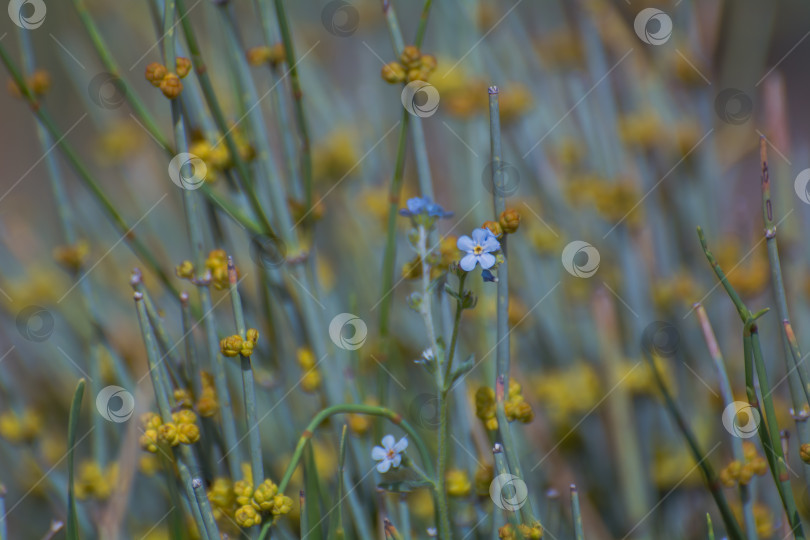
{"points": [[458, 483], [92, 481], [20, 428], [642, 129], [568, 393], [527, 532], [207, 405], [750, 274], [335, 156], [562, 48], [149, 464], [677, 290]]}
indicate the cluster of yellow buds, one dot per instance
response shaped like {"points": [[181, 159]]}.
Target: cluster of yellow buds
{"points": [[185, 270], [311, 379], [247, 504], [217, 263], [93, 481], [529, 532], [485, 407], [274, 55], [20, 428], [71, 256], [411, 66], [207, 404], [169, 83], [234, 345], [741, 473], [217, 157], [458, 483], [439, 260], [39, 82], [515, 407], [182, 429], [183, 399]]}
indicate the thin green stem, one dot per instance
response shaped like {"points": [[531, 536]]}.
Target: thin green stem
{"points": [[298, 100], [709, 476], [423, 20], [251, 416], [576, 514], [728, 399], [798, 378], [73, 422]]}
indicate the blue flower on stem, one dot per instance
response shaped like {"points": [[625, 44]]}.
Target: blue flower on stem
{"points": [[479, 249], [424, 205]]}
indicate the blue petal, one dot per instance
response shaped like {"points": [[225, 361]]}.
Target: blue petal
{"points": [[491, 244], [481, 235], [384, 465], [465, 243], [487, 260], [487, 275], [468, 262]]}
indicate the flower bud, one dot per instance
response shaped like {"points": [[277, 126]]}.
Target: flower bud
{"points": [[155, 73], [183, 66], [510, 220], [171, 86], [393, 73]]}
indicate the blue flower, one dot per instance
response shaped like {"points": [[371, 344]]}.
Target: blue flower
{"points": [[424, 205], [479, 249], [486, 275]]}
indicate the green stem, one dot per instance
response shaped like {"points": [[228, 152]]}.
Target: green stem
{"points": [[298, 100], [796, 370], [423, 20], [709, 476], [728, 399], [768, 431], [75, 409], [251, 417], [576, 514]]}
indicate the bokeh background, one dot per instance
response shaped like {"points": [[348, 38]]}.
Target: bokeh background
{"points": [[621, 138]]}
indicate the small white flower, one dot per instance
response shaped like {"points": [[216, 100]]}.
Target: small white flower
{"points": [[389, 453], [427, 356]]}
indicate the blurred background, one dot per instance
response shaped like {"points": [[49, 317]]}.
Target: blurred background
{"points": [[623, 129]]}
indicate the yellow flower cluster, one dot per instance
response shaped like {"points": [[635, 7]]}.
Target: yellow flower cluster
{"points": [[217, 263], [458, 483], [234, 345], [411, 66], [182, 429], [674, 291], [334, 157], [311, 379], [741, 473], [39, 82], [72, 256], [20, 428], [484, 475], [515, 407], [464, 97], [638, 377], [528, 532], [93, 481], [169, 83], [207, 404], [763, 518], [217, 158], [569, 392], [439, 260], [245, 504], [273, 56]]}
